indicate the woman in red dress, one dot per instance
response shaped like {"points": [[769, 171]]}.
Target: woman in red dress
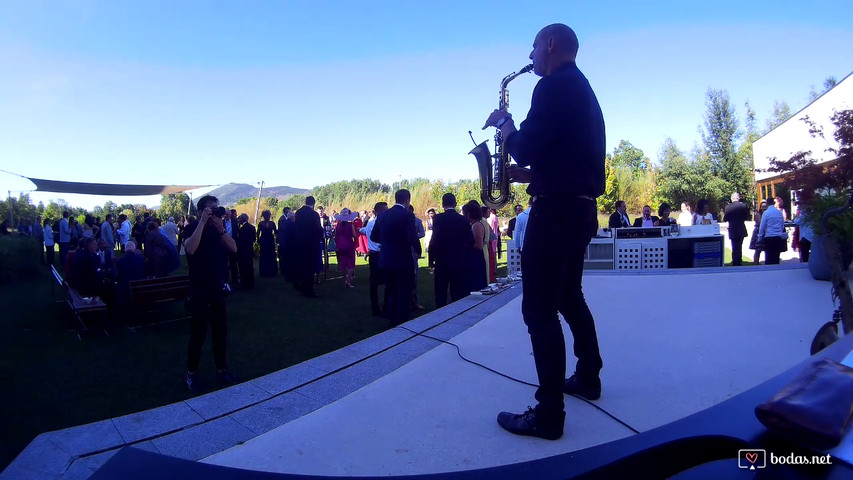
{"points": [[345, 244]]}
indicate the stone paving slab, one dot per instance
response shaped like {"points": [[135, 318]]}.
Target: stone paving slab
{"points": [[204, 439], [157, 421]]}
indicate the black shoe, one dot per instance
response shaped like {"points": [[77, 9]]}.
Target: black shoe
{"points": [[227, 377], [193, 382], [573, 386], [528, 424]]}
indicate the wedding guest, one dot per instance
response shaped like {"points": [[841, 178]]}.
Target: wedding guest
{"points": [[48, 242], [345, 238]]}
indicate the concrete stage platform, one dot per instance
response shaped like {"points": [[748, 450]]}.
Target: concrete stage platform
{"points": [[673, 343]]}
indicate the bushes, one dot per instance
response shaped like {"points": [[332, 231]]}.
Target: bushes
{"points": [[19, 258]]}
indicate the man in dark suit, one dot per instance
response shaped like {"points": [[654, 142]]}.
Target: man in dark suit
{"points": [[395, 231], [246, 252], [619, 219], [307, 242], [647, 220], [451, 241], [232, 227], [281, 237], [736, 214]]}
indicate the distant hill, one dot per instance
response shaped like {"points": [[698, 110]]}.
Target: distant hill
{"points": [[230, 193]]}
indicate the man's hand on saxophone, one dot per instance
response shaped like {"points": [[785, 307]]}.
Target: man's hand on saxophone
{"points": [[519, 175], [502, 120]]}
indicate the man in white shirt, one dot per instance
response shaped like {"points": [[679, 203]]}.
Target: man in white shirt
{"points": [[108, 233], [521, 226], [64, 238], [647, 220], [170, 229], [376, 278], [123, 231]]}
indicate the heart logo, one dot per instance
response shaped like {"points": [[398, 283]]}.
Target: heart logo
{"points": [[752, 457]]}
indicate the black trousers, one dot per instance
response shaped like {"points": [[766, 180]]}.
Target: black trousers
{"points": [[50, 254], [206, 311], [399, 285], [376, 279], [247, 271], [773, 247], [737, 251], [455, 279], [63, 251], [551, 283], [232, 266]]}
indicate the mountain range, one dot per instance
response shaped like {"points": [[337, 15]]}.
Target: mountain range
{"points": [[230, 193]]}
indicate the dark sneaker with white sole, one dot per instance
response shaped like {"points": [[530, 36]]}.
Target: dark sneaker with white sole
{"points": [[533, 424], [587, 390]]}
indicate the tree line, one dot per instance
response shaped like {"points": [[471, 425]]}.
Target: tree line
{"points": [[721, 164]]}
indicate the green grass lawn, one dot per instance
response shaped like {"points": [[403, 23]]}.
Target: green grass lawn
{"points": [[52, 380], [746, 256]]}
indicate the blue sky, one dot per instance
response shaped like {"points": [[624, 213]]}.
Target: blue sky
{"points": [[302, 93]]}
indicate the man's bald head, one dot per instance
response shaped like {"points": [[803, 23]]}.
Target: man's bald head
{"points": [[554, 45], [563, 36]]}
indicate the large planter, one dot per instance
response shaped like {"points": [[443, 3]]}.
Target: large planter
{"points": [[819, 265]]}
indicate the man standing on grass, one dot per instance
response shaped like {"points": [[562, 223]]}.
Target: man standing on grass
{"points": [[64, 237], [108, 232], [736, 214], [207, 250]]}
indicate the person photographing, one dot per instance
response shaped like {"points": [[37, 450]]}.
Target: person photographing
{"points": [[207, 247]]}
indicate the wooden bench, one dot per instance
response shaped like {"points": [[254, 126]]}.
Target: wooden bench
{"points": [[78, 304], [152, 291]]}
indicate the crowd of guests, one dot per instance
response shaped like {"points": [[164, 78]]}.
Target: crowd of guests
{"points": [[769, 235]]}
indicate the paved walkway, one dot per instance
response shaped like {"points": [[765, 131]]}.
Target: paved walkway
{"points": [[673, 343]]}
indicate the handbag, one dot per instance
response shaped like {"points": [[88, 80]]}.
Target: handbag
{"points": [[815, 408]]}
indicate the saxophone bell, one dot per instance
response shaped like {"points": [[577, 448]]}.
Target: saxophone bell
{"points": [[494, 169]]}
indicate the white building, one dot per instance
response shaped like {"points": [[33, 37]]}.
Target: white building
{"points": [[793, 136]]}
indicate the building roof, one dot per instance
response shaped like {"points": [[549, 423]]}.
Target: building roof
{"points": [[793, 136]]}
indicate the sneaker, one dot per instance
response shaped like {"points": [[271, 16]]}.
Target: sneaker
{"points": [[193, 382], [528, 424], [226, 377], [573, 386]]}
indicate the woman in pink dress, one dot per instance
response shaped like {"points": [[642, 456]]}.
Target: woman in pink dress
{"points": [[362, 238], [345, 244], [357, 224]]}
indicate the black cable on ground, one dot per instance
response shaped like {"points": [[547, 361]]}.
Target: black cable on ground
{"points": [[459, 352]]}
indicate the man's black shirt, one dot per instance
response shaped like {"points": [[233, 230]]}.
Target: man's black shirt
{"points": [[562, 139], [208, 266]]}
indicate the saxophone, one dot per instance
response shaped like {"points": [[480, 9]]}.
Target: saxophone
{"points": [[494, 169]]}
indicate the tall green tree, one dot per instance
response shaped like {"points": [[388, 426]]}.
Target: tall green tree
{"points": [[173, 205], [607, 202], [720, 137], [745, 151], [781, 112], [828, 84], [629, 156]]}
